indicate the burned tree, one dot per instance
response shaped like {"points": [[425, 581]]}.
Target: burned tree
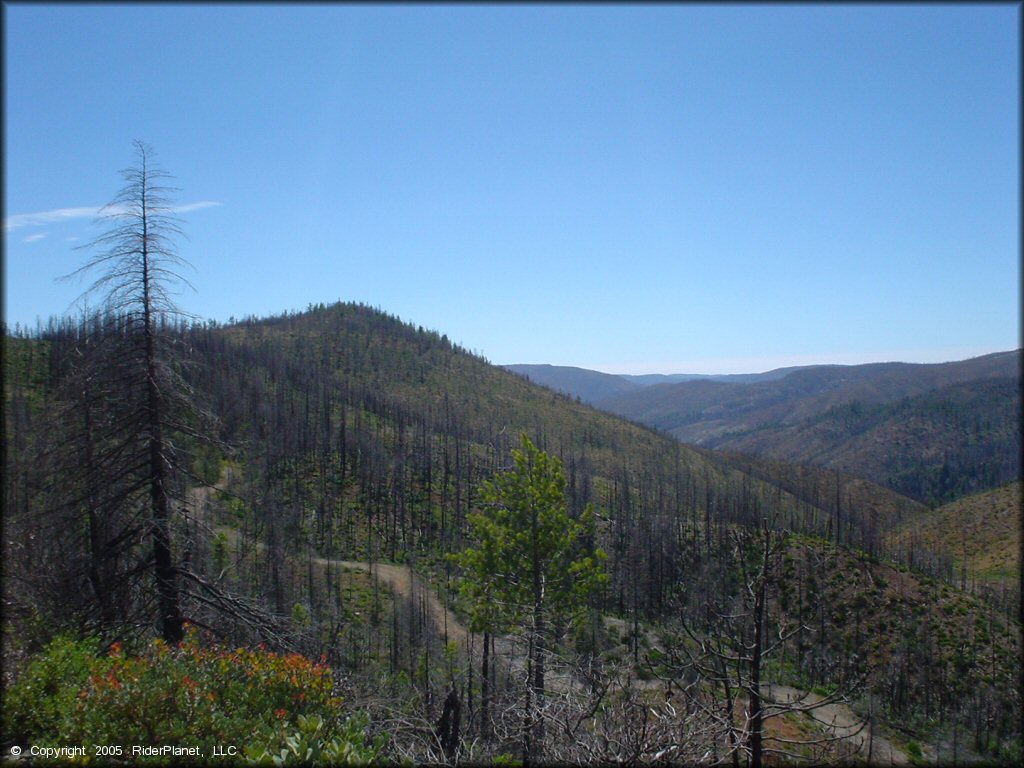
{"points": [[722, 653], [136, 265]]}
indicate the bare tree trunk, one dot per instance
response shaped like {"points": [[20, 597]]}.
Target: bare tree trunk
{"points": [[171, 620], [163, 563], [138, 262], [756, 719], [485, 688], [538, 646]]}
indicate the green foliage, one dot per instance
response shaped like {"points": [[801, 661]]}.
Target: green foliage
{"points": [[914, 750], [589, 634], [48, 688], [921, 643], [312, 744], [220, 551], [185, 695], [529, 548], [206, 462], [26, 370]]}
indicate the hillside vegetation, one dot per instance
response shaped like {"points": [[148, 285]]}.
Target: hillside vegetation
{"points": [[588, 386], [931, 432], [344, 438], [906, 632], [934, 447], [981, 533]]}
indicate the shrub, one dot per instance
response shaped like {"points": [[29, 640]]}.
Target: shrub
{"points": [[48, 688], [312, 743], [187, 695], [914, 750]]}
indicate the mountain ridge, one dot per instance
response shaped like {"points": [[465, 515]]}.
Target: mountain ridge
{"points": [[567, 378], [875, 420], [578, 382]]}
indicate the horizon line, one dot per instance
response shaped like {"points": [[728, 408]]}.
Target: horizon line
{"points": [[731, 366]]}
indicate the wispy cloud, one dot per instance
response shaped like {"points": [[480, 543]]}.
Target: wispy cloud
{"points": [[195, 206], [19, 220], [33, 238], [42, 218]]}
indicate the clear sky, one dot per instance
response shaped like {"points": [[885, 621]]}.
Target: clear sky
{"points": [[634, 189]]}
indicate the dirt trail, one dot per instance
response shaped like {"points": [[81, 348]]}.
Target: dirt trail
{"points": [[399, 578], [406, 584], [836, 717], [198, 497], [841, 721]]}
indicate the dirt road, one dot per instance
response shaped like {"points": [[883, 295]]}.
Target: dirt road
{"points": [[836, 718], [841, 721], [404, 583]]}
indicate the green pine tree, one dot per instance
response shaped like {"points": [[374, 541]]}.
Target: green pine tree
{"points": [[530, 565]]}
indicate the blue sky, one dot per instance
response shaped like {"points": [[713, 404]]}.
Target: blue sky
{"points": [[652, 188]]}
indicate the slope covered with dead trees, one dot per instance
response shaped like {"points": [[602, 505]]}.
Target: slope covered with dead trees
{"points": [[580, 589]]}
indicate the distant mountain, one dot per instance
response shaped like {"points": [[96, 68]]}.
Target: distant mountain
{"points": [[701, 411], [588, 386], [933, 432], [651, 379], [594, 386]]}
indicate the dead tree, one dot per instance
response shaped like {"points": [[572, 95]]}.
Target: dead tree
{"points": [[137, 265], [719, 662]]}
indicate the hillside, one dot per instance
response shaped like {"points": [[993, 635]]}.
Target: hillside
{"points": [[353, 383], [955, 440], [932, 432], [348, 439], [981, 532], [343, 407], [594, 386], [906, 632], [588, 386], [457, 409], [849, 501]]}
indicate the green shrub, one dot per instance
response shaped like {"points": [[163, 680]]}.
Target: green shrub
{"points": [[189, 695], [48, 689], [914, 750], [312, 743]]}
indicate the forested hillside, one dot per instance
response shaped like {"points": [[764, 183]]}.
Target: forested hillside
{"points": [[326, 481], [594, 386], [935, 447], [930, 432]]}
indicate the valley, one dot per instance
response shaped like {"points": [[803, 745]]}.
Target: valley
{"points": [[932, 432], [333, 465]]}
